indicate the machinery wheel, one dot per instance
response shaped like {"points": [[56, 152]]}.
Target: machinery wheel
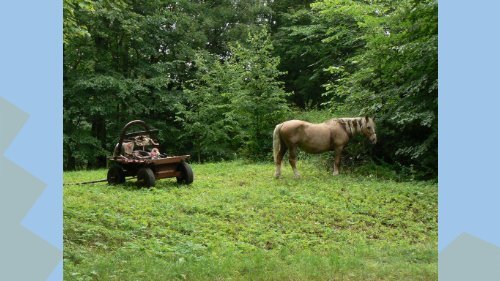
{"points": [[187, 176], [145, 177], [116, 175]]}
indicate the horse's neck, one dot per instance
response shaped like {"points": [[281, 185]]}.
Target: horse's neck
{"points": [[352, 126]]}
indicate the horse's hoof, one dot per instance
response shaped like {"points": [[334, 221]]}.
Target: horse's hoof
{"points": [[277, 176], [335, 174], [296, 176]]}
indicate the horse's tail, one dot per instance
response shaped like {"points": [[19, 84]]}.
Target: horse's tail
{"points": [[276, 141]]}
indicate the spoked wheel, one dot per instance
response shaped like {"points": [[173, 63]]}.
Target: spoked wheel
{"points": [[116, 175], [186, 176], [145, 177]]}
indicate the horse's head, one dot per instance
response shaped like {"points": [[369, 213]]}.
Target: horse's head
{"points": [[369, 130]]}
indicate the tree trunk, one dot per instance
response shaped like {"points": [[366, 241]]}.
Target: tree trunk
{"points": [[99, 132], [70, 160]]}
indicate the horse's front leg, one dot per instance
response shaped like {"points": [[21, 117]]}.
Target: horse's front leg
{"points": [[336, 163], [293, 161]]}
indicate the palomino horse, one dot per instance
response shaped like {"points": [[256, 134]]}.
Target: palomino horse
{"points": [[317, 138]]}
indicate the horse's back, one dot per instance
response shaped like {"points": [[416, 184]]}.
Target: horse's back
{"points": [[294, 124], [292, 130], [313, 138]]}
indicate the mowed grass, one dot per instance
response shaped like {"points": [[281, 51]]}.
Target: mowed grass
{"points": [[235, 222]]}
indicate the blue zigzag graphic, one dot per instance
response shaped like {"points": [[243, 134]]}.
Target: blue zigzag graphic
{"points": [[23, 255]]}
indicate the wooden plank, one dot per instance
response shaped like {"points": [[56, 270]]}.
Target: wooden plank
{"points": [[125, 160], [168, 160], [160, 161], [167, 174]]}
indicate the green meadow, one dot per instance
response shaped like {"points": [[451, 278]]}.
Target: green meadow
{"points": [[236, 222]]}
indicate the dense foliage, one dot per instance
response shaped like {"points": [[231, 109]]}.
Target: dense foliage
{"points": [[216, 76], [393, 77]]}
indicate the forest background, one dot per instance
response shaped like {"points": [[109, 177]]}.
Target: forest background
{"points": [[215, 77]]}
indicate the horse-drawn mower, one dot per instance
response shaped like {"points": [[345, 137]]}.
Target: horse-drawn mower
{"points": [[137, 154]]}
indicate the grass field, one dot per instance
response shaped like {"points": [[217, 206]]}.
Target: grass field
{"points": [[235, 222]]}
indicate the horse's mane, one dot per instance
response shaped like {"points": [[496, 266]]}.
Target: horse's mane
{"points": [[351, 125]]}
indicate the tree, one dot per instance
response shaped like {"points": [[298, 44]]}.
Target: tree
{"points": [[129, 59], [234, 103], [260, 102], [394, 77], [204, 114]]}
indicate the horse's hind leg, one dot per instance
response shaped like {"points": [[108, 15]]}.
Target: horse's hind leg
{"points": [[336, 163], [279, 159], [293, 161]]}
